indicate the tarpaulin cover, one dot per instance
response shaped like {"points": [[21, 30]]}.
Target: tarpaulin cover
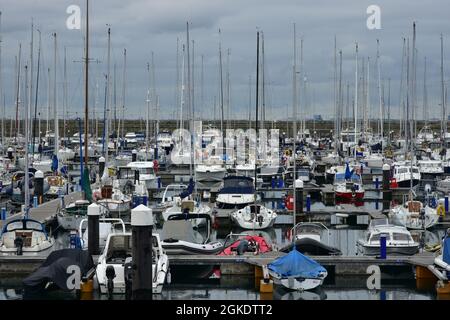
{"points": [[295, 264], [446, 250], [54, 269]]}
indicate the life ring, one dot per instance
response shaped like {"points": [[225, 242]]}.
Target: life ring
{"points": [[288, 234], [441, 210], [155, 166], [289, 202]]}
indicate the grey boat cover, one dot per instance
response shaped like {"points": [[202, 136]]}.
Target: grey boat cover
{"points": [[311, 247], [54, 269], [178, 230]]}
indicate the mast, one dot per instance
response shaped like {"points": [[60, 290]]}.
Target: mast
{"points": [[294, 119], [401, 97], [147, 113], [115, 103], [263, 96], [356, 97], [108, 100], [55, 107], [413, 80], [381, 131], [425, 97], [444, 121], [153, 96], [221, 86], [36, 95], [48, 101], [26, 180], [17, 126], [366, 116], [389, 111], [202, 101], [30, 88], [86, 88], [1, 83], [65, 93], [256, 106], [124, 92]]}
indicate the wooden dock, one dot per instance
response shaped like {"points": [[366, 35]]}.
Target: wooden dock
{"points": [[46, 211]]}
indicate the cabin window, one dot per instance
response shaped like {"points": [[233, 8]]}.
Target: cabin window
{"points": [[376, 237], [402, 237]]}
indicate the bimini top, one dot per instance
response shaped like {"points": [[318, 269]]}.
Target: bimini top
{"points": [[23, 224], [237, 184], [295, 264]]}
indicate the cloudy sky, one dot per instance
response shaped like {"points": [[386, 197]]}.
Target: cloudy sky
{"points": [[146, 26]]}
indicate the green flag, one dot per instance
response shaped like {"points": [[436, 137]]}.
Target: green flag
{"points": [[86, 185]]}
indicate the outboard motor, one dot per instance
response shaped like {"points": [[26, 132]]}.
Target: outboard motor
{"points": [[10, 153], [128, 276], [18, 243], [260, 219], [110, 275], [242, 247]]}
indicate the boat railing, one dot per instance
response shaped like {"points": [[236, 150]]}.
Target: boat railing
{"points": [[116, 220], [300, 224]]}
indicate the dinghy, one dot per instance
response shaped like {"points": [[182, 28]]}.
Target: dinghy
{"points": [[296, 271]]}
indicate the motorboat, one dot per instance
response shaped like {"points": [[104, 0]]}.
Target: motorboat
{"points": [[404, 174], [414, 215], [178, 237], [210, 172], [144, 170], [348, 186], [106, 226], [398, 239], [308, 238], [57, 186], [52, 274], [237, 192], [430, 167], [70, 216], [296, 271], [187, 205], [25, 237], [116, 202], [254, 217], [118, 255]]}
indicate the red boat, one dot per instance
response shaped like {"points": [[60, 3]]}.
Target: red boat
{"points": [[348, 188], [247, 243]]}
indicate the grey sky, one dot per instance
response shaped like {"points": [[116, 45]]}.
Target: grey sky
{"points": [[143, 26]]}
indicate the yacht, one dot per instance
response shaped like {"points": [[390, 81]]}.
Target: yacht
{"points": [[25, 237], [237, 192], [118, 255], [398, 239], [414, 215], [254, 217]]}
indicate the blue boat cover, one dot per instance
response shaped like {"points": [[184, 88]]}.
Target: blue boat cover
{"points": [[446, 250], [189, 190], [295, 264]]}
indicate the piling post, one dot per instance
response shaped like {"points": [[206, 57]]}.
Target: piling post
{"points": [[387, 193], [93, 213], [101, 165], [142, 224], [39, 185], [10, 151], [134, 155], [308, 203], [298, 198], [383, 246], [446, 204], [3, 214]]}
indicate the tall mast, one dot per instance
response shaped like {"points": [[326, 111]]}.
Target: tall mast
{"points": [[124, 91], [425, 97], [401, 97], [256, 114], [55, 107], [108, 100], [444, 121], [115, 102], [356, 97], [389, 111], [147, 113], [65, 93], [37, 90], [294, 118], [86, 87], [381, 131], [177, 90], [413, 80], [1, 83], [153, 96], [221, 85], [27, 185], [30, 89], [17, 126], [335, 91], [48, 101], [202, 98], [263, 95]]}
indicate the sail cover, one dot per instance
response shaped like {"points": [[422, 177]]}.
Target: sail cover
{"points": [[190, 189], [295, 264], [446, 250]]}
